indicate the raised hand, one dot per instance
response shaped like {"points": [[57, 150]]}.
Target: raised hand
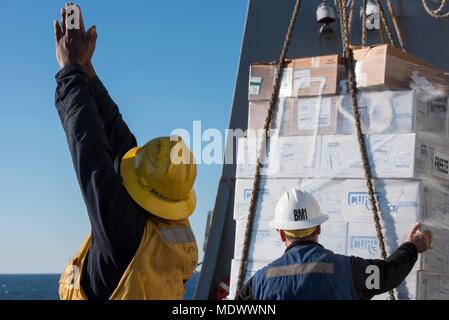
{"points": [[73, 43], [421, 239]]}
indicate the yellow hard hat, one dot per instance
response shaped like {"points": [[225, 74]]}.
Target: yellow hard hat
{"points": [[160, 175]]}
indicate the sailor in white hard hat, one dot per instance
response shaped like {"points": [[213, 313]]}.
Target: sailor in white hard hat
{"points": [[308, 271]]}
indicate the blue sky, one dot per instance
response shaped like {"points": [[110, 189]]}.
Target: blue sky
{"points": [[165, 63]]}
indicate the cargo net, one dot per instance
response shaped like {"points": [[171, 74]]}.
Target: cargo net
{"points": [[312, 144]]}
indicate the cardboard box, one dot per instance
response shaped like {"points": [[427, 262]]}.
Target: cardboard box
{"points": [[409, 156], [390, 156], [362, 242], [296, 116], [433, 286], [401, 202], [436, 259], [385, 112], [330, 196], [334, 236], [282, 122], [362, 239], [434, 204], [350, 229], [317, 75], [286, 157], [381, 112], [311, 76], [388, 67], [252, 268], [265, 243], [261, 81]]}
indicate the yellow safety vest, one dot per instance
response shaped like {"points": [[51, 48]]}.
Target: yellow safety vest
{"points": [[166, 257]]}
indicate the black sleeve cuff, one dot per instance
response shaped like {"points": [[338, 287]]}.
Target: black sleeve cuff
{"points": [[410, 247], [68, 70]]}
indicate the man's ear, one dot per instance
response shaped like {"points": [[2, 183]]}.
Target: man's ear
{"points": [[282, 234]]}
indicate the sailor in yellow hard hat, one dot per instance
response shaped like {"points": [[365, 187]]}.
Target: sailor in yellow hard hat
{"points": [[138, 199]]}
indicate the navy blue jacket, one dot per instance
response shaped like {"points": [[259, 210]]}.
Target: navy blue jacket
{"points": [[307, 271], [98, 138]]}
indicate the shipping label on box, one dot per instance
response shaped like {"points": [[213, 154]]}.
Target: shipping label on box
{"points": [[287, 157], [286, 89], [261, 80], [295, 116], [317, 75], [434, 204], [393, 156], [440, 165], [432, 158], [255, 85], [398, 201], [316, 115]]}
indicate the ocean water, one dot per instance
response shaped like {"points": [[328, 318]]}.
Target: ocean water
{"points": [[29, 287], [45, 287]]}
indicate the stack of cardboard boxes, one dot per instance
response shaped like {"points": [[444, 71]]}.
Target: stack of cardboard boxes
{"points": [[403, 105]]}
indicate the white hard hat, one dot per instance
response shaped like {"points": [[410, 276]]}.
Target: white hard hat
{"points": [[296, 210]]}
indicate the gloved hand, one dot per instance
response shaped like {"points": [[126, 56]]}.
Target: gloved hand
{"points": [[421, 239], [73, 44]]}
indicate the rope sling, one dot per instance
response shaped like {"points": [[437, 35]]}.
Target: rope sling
{"points": [[350, 68], [346, 29], [436, 13], [267, 124]]}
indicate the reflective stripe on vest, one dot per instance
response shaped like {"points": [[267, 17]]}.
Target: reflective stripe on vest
{"points": [[177, 235], [301, 268]]}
